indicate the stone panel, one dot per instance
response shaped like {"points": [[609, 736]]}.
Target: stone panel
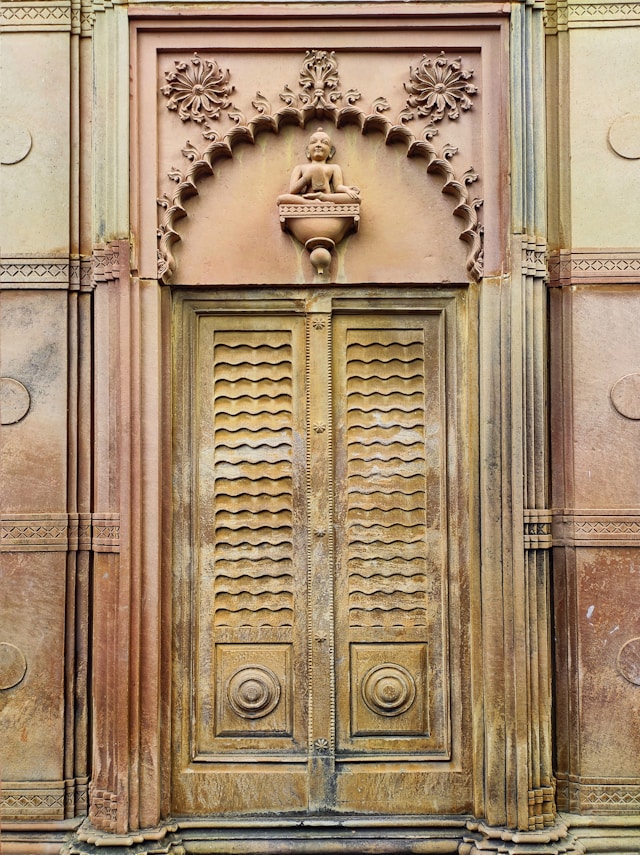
{"points": [[598, 171], [32, 712], [35, 101], [605, 349], [33, 352]]}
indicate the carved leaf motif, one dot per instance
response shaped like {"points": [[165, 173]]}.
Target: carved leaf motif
{"points": [[191, 152], [208, 132], [439, 85], [351, 96], [380, 105], [319, 78], [289, 96], [470, 176], [238, 117], [261, 104], [429, 132], [197, 90]]}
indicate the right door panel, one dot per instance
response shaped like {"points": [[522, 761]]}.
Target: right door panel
{"points": [[396, 406]]}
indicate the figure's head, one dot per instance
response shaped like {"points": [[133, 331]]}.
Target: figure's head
{"points": [[320, 147]]}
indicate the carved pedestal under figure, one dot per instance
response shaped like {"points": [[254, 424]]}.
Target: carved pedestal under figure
{"points": [[319, 210]]}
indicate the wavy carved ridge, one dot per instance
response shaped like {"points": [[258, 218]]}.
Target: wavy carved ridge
{"points": [[253, 480], [386, 479]]}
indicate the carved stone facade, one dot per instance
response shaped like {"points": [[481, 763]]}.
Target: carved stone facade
{"points": [[319, 519]]}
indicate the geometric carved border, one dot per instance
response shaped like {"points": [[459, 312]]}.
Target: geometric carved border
{"points": [[561, 15], [537, 529], [594, 267], [595, 527], [34, 532], [17, 17], [46, 17], [29, 800], [105, 533], [534, 259], [52, 273], [59, 532], [599, 795], [25, 272]]}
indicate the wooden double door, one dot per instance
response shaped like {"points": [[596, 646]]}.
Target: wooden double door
{"points": [[322, 627]]}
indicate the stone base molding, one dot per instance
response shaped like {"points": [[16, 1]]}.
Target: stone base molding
{"points": [[327, 835], [253, 835], [485, 838], [151, 841], [611, 834]]}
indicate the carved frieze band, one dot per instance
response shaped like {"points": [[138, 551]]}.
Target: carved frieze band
{"points": [[559, 16], [594, 267], [596, 527], [105, 533], [62, 274], [598, 795], [537, 529], [107, 261], [534, 257], [103, 808], [49, 17], [52, 273], [541, 808], [59, 532], [17, 17]]}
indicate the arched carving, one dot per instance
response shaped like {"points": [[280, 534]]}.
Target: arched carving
{"points": [[318, 98]]}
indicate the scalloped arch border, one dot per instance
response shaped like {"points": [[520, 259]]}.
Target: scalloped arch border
{"points": [[221, 146]]}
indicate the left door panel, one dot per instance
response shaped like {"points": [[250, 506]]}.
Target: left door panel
{"points": [[241, 565]]}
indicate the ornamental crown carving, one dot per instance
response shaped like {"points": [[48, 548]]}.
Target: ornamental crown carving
{"points": [[199, 90], [319, 78]]}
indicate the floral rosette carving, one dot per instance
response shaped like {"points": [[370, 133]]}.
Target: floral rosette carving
{"points": [[440, 85], [197, 90]]}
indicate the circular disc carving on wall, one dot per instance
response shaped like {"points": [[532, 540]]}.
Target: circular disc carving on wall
{"points": [[388, 689], [625, 396], [15, 142], [629, 661], [253, 691], [13, 665], [14, 401], [624, 136]]}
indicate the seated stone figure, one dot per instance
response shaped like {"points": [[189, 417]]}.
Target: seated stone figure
{"points": [[318, 180]]}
